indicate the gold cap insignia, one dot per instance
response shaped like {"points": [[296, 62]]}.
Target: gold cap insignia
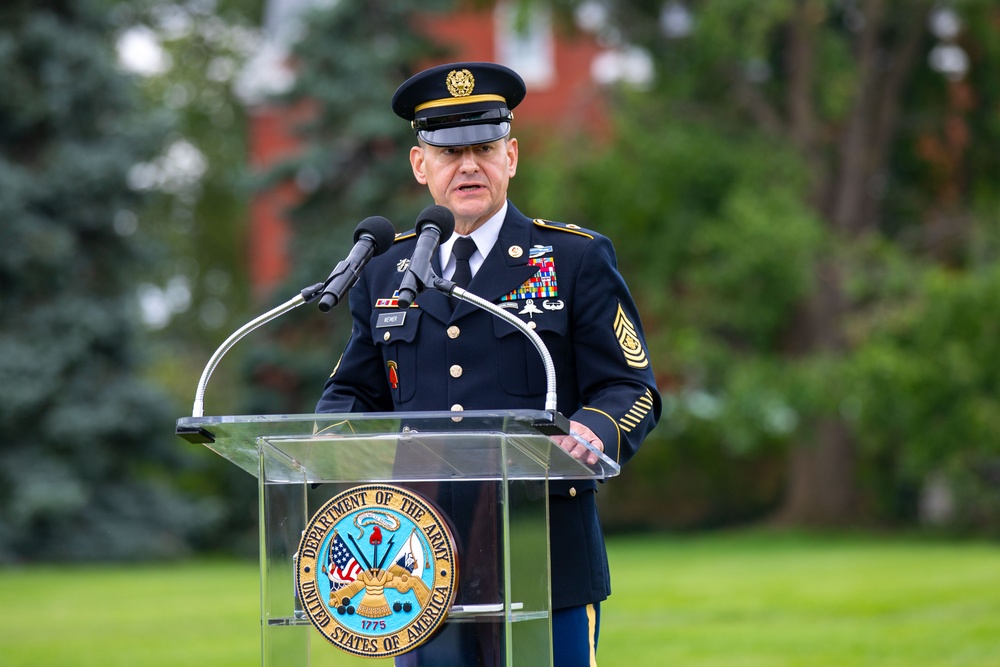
{"points": [[628, 338], [460, 83]]}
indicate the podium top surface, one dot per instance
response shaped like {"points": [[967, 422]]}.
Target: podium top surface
{"points": [[396, 446]]}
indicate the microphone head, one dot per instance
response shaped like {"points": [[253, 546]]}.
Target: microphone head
{"points": [[440, 217], [380, 229]]}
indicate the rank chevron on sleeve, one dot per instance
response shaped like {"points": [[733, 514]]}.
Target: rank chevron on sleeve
{"points": [[628, 338]]}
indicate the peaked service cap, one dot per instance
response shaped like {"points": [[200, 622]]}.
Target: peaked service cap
{"points": [[460, 104]]}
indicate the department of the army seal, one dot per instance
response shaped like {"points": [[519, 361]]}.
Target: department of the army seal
{"points": [[377, 571]]}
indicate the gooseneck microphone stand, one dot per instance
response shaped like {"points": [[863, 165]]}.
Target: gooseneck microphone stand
{"points": [[307, 295]]}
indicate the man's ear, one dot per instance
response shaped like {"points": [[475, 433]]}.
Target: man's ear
{"points": [[511, 157], [417, 164]]}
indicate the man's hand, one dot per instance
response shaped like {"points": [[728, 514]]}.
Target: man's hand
{"points": [[575, 448]]}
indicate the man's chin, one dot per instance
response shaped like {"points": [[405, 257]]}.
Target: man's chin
{"points": [[467, 214]]}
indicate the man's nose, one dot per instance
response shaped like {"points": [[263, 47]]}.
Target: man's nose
{"points": [[469, 162]]}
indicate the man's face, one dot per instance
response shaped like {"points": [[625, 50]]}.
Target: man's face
{"points": [[471, 181]]}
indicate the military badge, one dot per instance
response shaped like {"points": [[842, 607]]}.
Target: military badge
{"points": [[628, 338], [460, 83], [539, 250], [542, 285], [529, 309], [376, 570], [391, 302], [393, 367]]}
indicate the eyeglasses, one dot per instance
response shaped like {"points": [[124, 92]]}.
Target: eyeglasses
{"points": [[501, 115]]}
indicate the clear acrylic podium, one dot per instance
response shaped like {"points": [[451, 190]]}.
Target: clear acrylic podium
{"points": [[488, 473]]}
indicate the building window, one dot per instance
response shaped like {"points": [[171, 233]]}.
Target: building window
{"points": [[524, 42]]}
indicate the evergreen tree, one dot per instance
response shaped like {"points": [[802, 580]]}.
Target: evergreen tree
{"points": [[87, 456]]}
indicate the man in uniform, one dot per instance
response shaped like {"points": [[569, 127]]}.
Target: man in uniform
{"points": [[449, 355]]}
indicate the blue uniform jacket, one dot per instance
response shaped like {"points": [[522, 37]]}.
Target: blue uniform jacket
{"points": [[564, 280]]}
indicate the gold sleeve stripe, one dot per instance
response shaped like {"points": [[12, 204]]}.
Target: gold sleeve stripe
{"points": [[618, 448], [637, 412], [335, 368]]}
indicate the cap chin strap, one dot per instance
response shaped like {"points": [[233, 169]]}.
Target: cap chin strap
{"points": [[452, 101]]}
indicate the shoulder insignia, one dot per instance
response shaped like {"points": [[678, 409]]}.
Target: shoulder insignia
{"points": [[562, 227], [402, 236]]}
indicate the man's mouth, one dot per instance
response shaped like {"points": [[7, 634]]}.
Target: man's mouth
{"points": [[472, 187]]}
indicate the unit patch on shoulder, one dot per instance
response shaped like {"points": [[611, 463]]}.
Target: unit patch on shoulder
{"points": [[628, 338], [376, 571]]}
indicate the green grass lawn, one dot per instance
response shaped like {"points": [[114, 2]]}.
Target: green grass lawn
{"points": [[763, 600], [737, 600]]}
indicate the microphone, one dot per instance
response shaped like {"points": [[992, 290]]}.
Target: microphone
{"points": [[434, 224], [372, 237]]}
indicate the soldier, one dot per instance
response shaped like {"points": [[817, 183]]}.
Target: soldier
{"points": [[449, 355]]}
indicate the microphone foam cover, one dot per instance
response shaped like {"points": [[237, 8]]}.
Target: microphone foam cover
{"points": [[439, 216], [380, 228]]}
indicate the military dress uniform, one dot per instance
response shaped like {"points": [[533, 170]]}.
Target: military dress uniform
{"points": [[463, 358], [444, 354]]}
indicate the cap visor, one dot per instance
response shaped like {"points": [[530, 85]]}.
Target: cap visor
{"points": [[465, 135]]}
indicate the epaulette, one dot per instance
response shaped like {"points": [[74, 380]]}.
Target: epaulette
{"points": [[402, 236], [562, 227]]}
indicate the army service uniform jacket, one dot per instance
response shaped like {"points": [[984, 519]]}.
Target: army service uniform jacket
{"points": [[562, 281]]}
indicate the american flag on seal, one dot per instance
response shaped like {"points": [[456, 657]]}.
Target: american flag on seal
{"points": [[341, 567]]}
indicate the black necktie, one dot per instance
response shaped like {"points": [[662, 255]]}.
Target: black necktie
{"points": [[462, 250]]}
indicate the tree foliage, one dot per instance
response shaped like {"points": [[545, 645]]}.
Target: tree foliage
{"points": [[87, 453], [802, 192], [194, 289]]}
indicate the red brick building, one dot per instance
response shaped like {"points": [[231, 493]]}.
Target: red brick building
{"points": [[557, 64]]}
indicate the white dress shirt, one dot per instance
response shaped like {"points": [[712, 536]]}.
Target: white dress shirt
{"points": [[485, 238]]}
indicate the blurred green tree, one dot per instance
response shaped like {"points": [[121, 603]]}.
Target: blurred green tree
{"points": [[803, 191], [88, 466], [186, 58]]}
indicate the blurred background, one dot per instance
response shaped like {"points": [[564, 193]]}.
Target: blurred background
{"points": [[803, 196]]}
